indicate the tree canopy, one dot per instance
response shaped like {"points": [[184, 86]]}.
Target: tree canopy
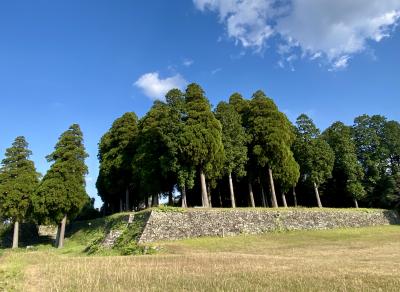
{"points": [[202, 137], [271, 135], [18, 180], [314, 155], [62, 190], [242, 150], [117, 148], [347, 171]]}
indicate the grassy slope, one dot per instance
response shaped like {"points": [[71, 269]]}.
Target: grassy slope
{"points": [[341, 259]]}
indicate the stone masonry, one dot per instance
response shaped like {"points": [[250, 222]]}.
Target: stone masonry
{"points": [[189, 223]]}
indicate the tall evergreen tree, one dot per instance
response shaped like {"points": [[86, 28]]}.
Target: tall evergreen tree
{"points": [[177, 116], [154, 157], [242, 107], [202, 137], [18, 181], [271, 134], [234, 140], [117, 148], [287, 176], [372, 153], [377, 142], [391, 136], [313, 154], [367, 133], [347, 172], [62, 193]]}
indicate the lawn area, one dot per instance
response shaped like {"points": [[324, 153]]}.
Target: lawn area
{"points": [[362, 259]]}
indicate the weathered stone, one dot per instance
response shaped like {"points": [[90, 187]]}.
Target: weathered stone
{"points": [[228, 222], [48, 231], [110, 238]]}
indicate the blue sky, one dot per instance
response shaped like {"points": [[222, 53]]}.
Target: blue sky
{"points": [[88, 62]]}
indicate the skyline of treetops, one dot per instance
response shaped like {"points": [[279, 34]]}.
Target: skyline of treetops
{"points": [[241, 153]]}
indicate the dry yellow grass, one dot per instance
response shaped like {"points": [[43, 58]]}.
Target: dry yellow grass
{"points": [[365, 259]]}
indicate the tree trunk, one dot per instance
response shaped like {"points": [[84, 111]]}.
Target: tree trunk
{"points": [[62, 232], [16, 234], [154, 200], [120, 205], [273, 195], [266, 199], [209, 195], [317, 195], [284, 200], [127, 200], [232, 192], [355, 203], [251, 195], [204, 196], [170, 198], [263, 197], [294, 197], [57, 235], [183, 193]]}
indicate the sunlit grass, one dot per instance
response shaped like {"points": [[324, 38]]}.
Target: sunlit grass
{"points": [[360, 259]]}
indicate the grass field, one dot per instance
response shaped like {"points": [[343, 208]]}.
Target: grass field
{"points": [[364, 259]]}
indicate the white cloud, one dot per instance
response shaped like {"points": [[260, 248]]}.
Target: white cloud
{"points": [[330, 29], [337, 29], [215, 71], [155, 87], [187, 62], [340, 63], [246, 20]]}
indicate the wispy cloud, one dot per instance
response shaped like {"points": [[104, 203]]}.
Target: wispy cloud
{"points": [[155, 87], [332, 31], [187, 62], [215, 71]]}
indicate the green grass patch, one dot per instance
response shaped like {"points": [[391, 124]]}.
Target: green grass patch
{"points": [[359, 259]]}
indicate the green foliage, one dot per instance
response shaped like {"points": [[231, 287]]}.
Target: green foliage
{"points": [[18, 181], [181, 136], [306, 128], [391, 142], [270, 130], [241, 106], [314, 155], [154, 156], [377, 142], [117, 148], [367, 134], [347, 171], [201, 140], [177, 116], [62, 190], [88, 211], [287, 174], [166, 209], [234, 139]]}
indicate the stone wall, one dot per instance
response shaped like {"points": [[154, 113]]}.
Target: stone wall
{"points": [[171, 225], [48, 231]]}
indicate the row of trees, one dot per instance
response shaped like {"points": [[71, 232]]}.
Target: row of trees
{"points": [[25, 195], [233, 156], [242, 151]]}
